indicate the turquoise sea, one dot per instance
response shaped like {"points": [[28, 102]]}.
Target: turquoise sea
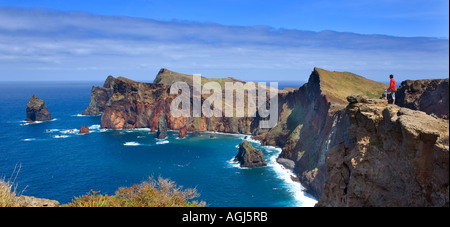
{"points": [[57, 163]]}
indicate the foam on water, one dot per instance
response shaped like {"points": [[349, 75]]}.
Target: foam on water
{"points": [[162, 142], [94, 127], [70, 131], [286, 175], [131, 144], [81, 115]]}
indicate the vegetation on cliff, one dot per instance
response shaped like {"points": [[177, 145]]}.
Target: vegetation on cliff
{"points": [[151, 193]]}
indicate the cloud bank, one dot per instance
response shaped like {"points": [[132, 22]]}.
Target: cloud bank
{"points": [[41, 44]]}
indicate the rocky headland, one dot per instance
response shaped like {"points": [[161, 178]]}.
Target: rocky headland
{"points": [[37, 110], [387, 156], [318, 128]]}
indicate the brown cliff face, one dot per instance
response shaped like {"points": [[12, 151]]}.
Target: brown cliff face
{"points": [[132, 104], [99, 98], [430, 96], [392, 156], [308, 118]]}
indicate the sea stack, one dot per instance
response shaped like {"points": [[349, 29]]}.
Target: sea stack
{"points": [[162, 127], [249, 156], [84, 130], [37, 111]]}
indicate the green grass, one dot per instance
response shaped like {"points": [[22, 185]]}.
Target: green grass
{"points": [[340, 85], [375, 143]]}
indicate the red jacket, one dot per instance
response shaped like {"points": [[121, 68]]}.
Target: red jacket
{"points": [[393, 85]]}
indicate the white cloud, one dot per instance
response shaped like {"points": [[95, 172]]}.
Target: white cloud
{"points": [[50, 43]]}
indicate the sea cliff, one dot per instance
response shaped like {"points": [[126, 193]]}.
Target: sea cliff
{"points": [[315, 126], [388, 156]]}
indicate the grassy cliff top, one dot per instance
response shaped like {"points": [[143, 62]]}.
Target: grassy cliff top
{"points": [[35, 102], [340, 85], [168, 77]]}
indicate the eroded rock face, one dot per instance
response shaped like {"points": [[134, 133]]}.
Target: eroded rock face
{"points": [[130, 104], [99, 98], [249, 157], [392, 156], [37, 110], [430, 96]]}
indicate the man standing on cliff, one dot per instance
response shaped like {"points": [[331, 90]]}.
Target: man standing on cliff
{"points": [[392, 88]]}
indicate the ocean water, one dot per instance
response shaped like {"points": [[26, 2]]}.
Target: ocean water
{"points": [[57, 163]]}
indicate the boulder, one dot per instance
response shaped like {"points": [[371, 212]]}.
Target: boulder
{"points": [[37, 110], [249, 156], [84, 130]]}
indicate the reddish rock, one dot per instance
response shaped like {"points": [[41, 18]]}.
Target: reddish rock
{"points": [[84, 130], [183, 132]]}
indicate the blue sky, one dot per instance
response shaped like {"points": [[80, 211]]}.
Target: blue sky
{"points": [[246, 39], [390, 17]]}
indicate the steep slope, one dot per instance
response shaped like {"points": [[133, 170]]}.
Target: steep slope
{"points": [[390, 156], [307, 118]]}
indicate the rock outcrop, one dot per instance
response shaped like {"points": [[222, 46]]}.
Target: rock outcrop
{"points": [[29, 201], [389, 156], [99, 97], [162, 127], [430, 96], [249, 157], [84, 130], [37, 110], [183, 132]]}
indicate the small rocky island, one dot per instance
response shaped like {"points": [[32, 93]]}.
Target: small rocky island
{"points": [[37, 110], [249, 156]]}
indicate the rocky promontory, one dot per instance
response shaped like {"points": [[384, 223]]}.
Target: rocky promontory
{"points": [[389, 156], [37, 110], [249, 157]]}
